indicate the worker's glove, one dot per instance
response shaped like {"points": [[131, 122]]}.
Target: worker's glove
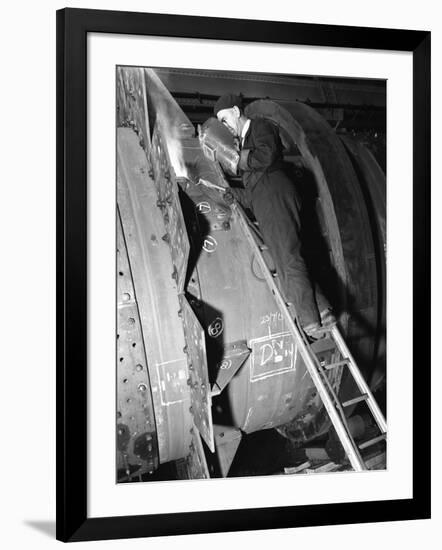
{"points": [[313, 331]]}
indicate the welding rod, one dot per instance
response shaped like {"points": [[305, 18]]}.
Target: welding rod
{"points": [[211, 185]]}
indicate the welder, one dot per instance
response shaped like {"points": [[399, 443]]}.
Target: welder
{"points": [[272, 198]]}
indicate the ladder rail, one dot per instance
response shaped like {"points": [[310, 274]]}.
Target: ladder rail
{"points": [[342, 431], [359, 379]]}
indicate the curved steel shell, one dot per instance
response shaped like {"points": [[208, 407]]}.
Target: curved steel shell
{"points": [[347, 274], [216, 341]]}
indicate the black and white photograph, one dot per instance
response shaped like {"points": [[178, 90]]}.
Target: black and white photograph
{"points": [[221, 283], [251, 278]]}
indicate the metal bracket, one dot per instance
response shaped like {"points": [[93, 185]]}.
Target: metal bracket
{"points": [[234, 357], [198, 381], [227, 440]]}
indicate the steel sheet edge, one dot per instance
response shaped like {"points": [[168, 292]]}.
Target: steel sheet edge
{"points": [[137, 445], [157, 297]]}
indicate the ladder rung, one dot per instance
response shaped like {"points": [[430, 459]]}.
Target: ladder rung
{"points": [[337, 364], [325, 329], [362, 397], [373, 441]]}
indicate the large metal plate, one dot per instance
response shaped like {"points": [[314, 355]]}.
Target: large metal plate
{"points": [[201, 407], [235, 354], [194, 466], [163, 109], [169, 203], [137, 446], [157, 298]]}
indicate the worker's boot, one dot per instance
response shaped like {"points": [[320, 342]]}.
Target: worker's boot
{"points": [[327, 318], [313, 331]]}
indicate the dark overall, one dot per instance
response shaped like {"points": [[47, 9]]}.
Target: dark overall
{"points": [[271, 196]]}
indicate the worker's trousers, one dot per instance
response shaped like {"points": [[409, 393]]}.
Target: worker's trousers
{"points": [[275, 204]]}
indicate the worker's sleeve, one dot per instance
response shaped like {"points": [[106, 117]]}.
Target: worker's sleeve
{"points": [[266, 149]]}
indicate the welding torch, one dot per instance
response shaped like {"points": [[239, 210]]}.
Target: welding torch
{"points": [[228, 195]]}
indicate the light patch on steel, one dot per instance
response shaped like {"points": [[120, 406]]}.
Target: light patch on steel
{"points": [[272, 355], [272, 318], [164, 373], [204, 207], [210, 244], [216, 327], [249, 412], [226, 364]]}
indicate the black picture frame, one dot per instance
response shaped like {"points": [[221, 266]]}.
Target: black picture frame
{"points": [[73, 25]]}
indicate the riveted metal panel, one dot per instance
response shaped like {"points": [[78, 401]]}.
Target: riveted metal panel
{"points": [[157, 298], [198, 381], [132, 103], [137, 446], [169, 204]]}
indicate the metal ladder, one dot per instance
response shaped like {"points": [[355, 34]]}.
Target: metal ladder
{"points": [[318, 372]]}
